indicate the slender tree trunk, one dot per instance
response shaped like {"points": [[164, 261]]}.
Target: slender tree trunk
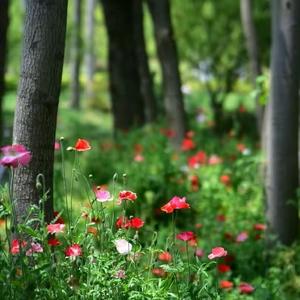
{"points": [[253, 51], [144, 71], [282, 168], [127, 101], [3, 41], [90, 52], [76, 56], [37, 100], [167, 53]]}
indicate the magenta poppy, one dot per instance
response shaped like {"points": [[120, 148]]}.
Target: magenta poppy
{"points": [[186, 236], [73, 251], [217, 252], [15, 156]]}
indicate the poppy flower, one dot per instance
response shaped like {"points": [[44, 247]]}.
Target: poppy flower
{"points": [[56, 146], [226, 180], [35, 248], [15, 156], [120, 274], [196, 160], [175, 203], [259, 227], [53, 242], [123, 246], [186, 236], [73, 251], [136, 223], [222, 268], [246, 288], [15, 246], [138, 158], [242, 237], [199, 252], [127, 195], [214, 160], [193, 242], [103, 195], [122, 222], [165, 256], [195, 183], [159, 272], [55, 228], [217, 252], [187, 144], [225, 284], [82, 145]]}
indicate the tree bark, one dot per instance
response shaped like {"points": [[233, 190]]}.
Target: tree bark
{"points": [[76, 56], [282, 167], [3, 48], [127, 101], [37, 100], [253, 52], [144, 70], [90, 52], [167, 54]]}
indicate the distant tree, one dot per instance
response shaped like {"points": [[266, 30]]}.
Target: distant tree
{"points": [[282, 162], [144, 70], [127, 101], [167, 54], [37, 99], [253, 51], [3, 49], [76, 50], [90, 51]]}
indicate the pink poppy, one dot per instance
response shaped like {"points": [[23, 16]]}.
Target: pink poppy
{"points": [[55, 228], [259, 227], [175, 203], [199, 252], [214, 160], [242, 237], [14, 156], [186, 236], [35, 248], [159, 272], [56, 146], [246, 288], [217, 252], [103, 195], [73, 251], [138, 158]]}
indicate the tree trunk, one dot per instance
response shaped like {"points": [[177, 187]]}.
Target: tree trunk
{"points": [[253, 52], [144, 71], [37, 100], [167, 53], [282, 167], [3, 41], [76, 56], [90, 52], [127, 101]]}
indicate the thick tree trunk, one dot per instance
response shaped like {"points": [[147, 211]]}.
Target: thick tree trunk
{"points": [[167, 53], [3, 48], [127, 101], [282, 167], [37, 100], [253, 51], [76, 56], [144, 71], [90, 53]]}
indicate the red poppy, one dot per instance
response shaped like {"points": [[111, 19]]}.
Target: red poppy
{"points": [[259, 227], [228, 259], [127, 195], [122, 222], [222, 268], [195, 183], [53, 242], [187, 144], [225, 284], [15, 246], [165, 256], [198, 159], [186, 236], [159, 272], [136, 223], [225, 179], [199, 252], [246, 288], [193, 242], [82, 145], [175, 203], [73, 250], [59, 220]]}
